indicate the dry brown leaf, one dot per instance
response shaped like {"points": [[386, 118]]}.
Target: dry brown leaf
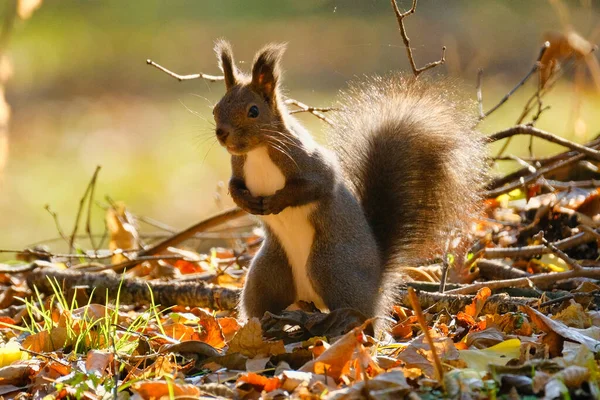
{"points": [[478, 302], [27, 7], [181, 332], [549, 326], [418, 353], [19, 374], [47, 341], [123, 234], [335, 361], [159, 390], [229, 327], [249, 342], [98, 361], [211, 330], [574, 316]]}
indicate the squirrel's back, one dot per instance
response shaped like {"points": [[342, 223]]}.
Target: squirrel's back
{"points": [[410, 154]]}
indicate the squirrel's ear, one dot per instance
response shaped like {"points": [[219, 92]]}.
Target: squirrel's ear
{"points": [[266, 71], [225, 56]]}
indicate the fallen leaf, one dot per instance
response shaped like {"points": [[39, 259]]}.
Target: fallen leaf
{"points": [[249, 342], [164, 390], [335, 360], [549, 325], [499, 354], [98, 361]]}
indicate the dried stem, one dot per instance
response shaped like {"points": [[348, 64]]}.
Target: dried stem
{"points": [[416, 306], [400, 17], [181, 78], [316, 111], [530, 130], [88, 190], [545, 279], [532, 71]]}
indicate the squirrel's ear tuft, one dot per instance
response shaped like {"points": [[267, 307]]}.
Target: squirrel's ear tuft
{"points": [[266, 71], [225, 56]]}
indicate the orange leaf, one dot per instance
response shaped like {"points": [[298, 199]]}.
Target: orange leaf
{"points": [[161, 389], [260, 382], [478, 302]]}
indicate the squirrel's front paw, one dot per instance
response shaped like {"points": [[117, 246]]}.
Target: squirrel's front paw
{"points": [[273, 205], [244, 200]]}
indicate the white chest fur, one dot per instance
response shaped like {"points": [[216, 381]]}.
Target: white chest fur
{"points": [[291, 226]]}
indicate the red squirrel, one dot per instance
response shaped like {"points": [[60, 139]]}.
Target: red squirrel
{"points": [[403, 168]]}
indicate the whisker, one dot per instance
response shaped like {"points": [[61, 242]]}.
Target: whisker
{"points": [[279, 149]]}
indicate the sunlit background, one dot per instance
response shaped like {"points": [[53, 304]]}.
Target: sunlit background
{"points": [[82, 95]]}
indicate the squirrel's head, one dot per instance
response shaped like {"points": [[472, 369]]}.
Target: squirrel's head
{"points": [[249, 113]]}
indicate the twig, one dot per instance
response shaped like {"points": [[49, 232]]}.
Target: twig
{"points": [[400, 17], [559, 253], [534, 69], [190, 232], [56, 223], [81, 205], [568, 297], [530, 130], [537, 250], [88, 223], [541, 161], [479, 93], [584, 272], [316, 111], [416, 306], [524, 180], [180, 78]]}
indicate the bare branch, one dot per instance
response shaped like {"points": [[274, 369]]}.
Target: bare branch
{"points": [[400, 17], [88, 190], [180, 78], [316, 111], [480, 94], [530, 130], [533, 70]]}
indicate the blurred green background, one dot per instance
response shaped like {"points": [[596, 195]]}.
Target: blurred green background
{"points": [[82, 95]]}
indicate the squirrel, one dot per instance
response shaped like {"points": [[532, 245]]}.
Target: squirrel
{"points": [[403, 168]]}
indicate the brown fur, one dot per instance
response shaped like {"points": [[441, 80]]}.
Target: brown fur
{"points": [[410, 165]]}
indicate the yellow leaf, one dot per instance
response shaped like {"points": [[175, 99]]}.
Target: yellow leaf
{"points": [[11, 352], [499, 354]]}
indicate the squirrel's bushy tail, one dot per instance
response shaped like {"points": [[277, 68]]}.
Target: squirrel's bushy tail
{"points": [[410, 154]]}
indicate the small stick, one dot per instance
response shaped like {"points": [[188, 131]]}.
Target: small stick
{"points": [[534, 69], [479, 93], [533, 131], [80, 210], [316, 111], [400, 17], [416, 306], [56, 223], [218, 219], [181, 78], [537, 250], [584, 272], [524, 180], [559, 253], [88, 224]]}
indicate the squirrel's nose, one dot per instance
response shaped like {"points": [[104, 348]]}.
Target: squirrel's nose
{"points": [[222, 133]]}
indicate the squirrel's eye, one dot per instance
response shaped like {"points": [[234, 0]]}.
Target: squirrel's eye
{"points": [[253, 112]]}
